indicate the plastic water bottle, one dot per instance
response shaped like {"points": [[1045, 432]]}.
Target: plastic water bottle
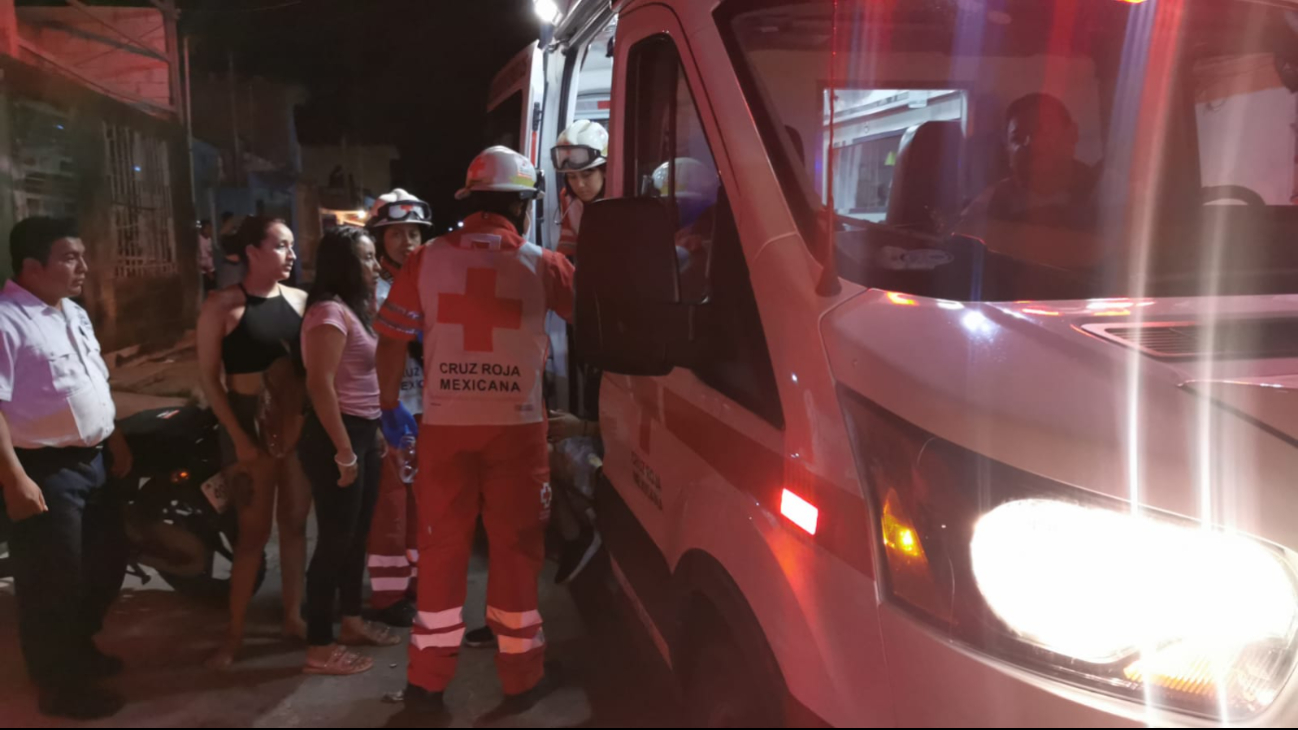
{"points": [[407, 453]]}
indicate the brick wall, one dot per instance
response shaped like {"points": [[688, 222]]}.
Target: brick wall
{"points": [[101, 54]]}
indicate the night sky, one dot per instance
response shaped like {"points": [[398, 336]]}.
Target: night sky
{"points": [[413, 73]]}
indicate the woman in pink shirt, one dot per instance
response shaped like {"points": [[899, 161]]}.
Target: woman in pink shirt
{"points": [[341, 450]]}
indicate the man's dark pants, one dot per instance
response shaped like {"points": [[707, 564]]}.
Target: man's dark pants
{"points": [[68, 563]]}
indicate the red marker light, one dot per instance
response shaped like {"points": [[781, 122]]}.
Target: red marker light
{"points": [[799, 511]]}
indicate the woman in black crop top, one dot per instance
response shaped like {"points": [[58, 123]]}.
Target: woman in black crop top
{"points": [[251, 333]]}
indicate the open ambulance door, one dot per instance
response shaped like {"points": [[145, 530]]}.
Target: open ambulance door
{"points": [[514, 107], [515, 112]]}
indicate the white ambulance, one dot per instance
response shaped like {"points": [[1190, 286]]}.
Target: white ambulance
{"points": [[950, 352]]}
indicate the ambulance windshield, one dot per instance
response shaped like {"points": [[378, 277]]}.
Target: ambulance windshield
{"points": [[1070, 149]]}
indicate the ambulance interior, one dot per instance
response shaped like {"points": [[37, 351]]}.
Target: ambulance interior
{"points": [[586, 83], [919, 131], [581, 89], [593, 81], [502, 122]]}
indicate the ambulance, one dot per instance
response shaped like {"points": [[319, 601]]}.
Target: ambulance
{"points": [[949, 347]]}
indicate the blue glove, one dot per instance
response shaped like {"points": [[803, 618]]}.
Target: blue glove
{"points": [[397, 422]]}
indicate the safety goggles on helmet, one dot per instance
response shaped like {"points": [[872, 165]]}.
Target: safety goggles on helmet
{"points": [[573, 158], [404, 211]]}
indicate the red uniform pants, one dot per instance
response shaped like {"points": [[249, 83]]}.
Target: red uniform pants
{"points": [[394, 538], [503, 473]]}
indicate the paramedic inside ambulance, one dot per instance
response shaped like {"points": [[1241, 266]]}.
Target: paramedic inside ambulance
{"points": [[581, 156], [693, 189], [1047, 184]]}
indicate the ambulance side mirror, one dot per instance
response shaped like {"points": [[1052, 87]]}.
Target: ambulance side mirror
{"points": [[629, 315]]}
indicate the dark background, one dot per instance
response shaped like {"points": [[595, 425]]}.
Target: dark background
{"points": [[413, 73]]}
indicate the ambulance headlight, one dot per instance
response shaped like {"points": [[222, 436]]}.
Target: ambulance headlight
{"points": [[1073, 585], [1200, 613]]}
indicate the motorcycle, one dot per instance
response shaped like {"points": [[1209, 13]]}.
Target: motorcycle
{"points": [[179, 516], [177, 513]]}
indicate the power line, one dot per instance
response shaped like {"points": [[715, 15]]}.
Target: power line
{"points": [[236, 11]]}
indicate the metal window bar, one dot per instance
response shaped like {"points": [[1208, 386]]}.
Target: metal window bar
{"points": [[140, 180]]}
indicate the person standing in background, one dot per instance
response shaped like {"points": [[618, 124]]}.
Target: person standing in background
{"points": [[206, 264], [398, 223], [340, 450], [55, 421], [249, 360]]}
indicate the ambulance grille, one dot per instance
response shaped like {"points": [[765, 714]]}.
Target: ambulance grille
{"points": [[1232, 339]]}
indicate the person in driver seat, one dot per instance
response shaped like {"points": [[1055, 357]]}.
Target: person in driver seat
{"points": [[1047, 184]]}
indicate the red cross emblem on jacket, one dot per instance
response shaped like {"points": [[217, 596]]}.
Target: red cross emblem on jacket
{"points": [[479, 311]]}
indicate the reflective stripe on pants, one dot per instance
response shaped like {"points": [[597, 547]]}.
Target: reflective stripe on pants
{"points": [[502, 471]]}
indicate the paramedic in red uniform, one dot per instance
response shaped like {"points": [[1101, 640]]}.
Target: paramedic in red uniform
{"points": [[479, 297], [581, 156], [398, 223]]}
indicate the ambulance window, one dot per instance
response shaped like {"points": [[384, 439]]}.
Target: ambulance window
{"points": [[504, 121], [1024, 135], [594, 81], [869, 143], [670, 159], [1246, 119]]}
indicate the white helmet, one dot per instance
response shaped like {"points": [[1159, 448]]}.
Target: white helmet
{"points": [[500, 170], [398, 207], [582, 146], [695, 181]]}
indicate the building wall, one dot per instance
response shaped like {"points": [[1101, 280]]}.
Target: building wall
{"points": [[371, 165], [100, 54], [207, 181], [306, 206], [138, 224], [8, 28], [262, 178], [261, 110]]}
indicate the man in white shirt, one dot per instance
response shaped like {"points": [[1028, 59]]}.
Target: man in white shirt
{"points": [[56, 418]]}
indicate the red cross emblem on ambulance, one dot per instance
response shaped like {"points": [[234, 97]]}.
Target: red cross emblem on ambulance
{"points": [[480, 311]]}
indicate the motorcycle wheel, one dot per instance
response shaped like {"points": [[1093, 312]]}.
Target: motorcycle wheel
{"points": [[209, 587]]}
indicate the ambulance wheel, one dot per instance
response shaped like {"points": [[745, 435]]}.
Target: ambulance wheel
{"points": [[722, 686]]}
